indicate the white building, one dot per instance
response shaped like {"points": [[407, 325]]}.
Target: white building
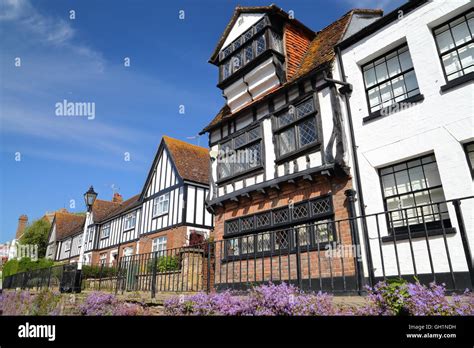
{"points": [[412, 108]]}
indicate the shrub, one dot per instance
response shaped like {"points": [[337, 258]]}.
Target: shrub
{"points": [[402, 298], [99, 303], [25, 264], [89, 271], [164, 264], [262, 300], [24, 303]]}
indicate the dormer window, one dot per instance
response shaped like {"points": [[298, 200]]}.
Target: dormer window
{"points": [[249, 46]]}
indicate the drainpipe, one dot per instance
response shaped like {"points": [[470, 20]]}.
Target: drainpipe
{"points": [[357, 175]]}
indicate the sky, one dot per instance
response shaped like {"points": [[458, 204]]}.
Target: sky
{"points": [[49, 54]]}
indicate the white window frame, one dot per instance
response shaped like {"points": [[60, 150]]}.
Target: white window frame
{"points": [[159, 244], [126, 249], [158, 204], [105, 227], [127, 219], [103, 259], [67, 245]]}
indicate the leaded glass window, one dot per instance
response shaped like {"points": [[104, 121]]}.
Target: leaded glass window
{"points": [[296, 127], [240, 154]]}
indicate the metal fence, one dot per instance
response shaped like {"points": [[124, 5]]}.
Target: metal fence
{"points": [[60, 277], [426, 243]]}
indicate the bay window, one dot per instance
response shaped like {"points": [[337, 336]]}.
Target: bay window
{"points": [[241, 153]]}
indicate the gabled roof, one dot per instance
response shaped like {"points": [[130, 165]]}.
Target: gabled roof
{"points": [[191, 161], [101, 209], [67, 224], [129, 204], [320, 54], [252, 9]]}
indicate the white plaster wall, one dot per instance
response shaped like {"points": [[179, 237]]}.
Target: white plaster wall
{"points": [[244, 22], [439, 125]]}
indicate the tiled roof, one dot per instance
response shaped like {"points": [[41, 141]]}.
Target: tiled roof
{"points": [[121, 208], [67, 224], [304, 55], [191, 161], [101, 209]]}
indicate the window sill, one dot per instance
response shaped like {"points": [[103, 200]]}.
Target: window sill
{"points": [[238, 176], [458, 82], [393, 108], [292, 155], [419, 234], [129, 229]]}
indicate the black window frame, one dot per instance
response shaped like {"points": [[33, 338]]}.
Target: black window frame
{"points": [[258, 30], [467, 151], [231, 138], [310, 221], [415, 230], [412, 98], [277, 129], [465, 77]]}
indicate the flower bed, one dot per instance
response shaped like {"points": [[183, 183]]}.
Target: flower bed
{"points": [[54, 303], [394, 298]]}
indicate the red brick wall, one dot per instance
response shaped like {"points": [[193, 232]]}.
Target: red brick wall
{"points": [[319, 263], [176, 238]]}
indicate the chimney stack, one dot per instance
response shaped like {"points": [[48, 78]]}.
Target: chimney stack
{"points": [[117, 198], [22, 222]]}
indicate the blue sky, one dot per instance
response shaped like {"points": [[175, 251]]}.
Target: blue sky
{"points": [[82, 60]]}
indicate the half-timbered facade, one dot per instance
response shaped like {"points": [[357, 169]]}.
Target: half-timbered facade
{"points": [[171, 206], [173, 197], [278, 146]]}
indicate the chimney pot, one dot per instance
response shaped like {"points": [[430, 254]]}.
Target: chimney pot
{"points": [[117, 198]]}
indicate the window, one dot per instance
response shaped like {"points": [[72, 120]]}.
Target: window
{"points": [[455, 43], [295, 129], [413, 193], [79, 241], [161, 205], [105, 231], [67, 245], [248, 46], [129, 221], [91, 234], [277, 228], [282, 241], [128, 251], [159, 245], [390, 79], [240, 154], [469, 148], [103, 259]]}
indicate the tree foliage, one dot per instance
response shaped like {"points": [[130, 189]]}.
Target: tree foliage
{"points": [[37, 234]]}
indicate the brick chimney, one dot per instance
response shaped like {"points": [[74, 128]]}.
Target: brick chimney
{"points": [[22, 222], [117, 198]]}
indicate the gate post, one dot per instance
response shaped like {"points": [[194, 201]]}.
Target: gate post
{"points": [[350, 194], [465, 242], [153, 274], [208, 286]]}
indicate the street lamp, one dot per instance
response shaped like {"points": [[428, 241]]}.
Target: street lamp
{"points": [[89, 199]]}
